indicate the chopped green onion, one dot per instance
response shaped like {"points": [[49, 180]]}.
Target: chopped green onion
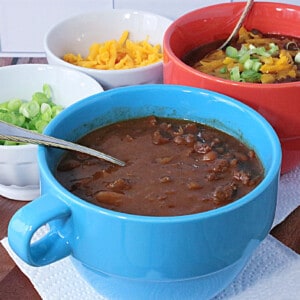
{"points": [[40, 98], [231, 52], [248, 56], [250, 76], [262, 51], [40, 125], [297, 58], [29, 109], [47, 91], [9, 143], [223, 70], [256, 66], [56, 110], [46, 112], [33, 115], [235, 74], [244, 57], [3, 106], [252, 49], [248, 64], [14, 104], [243, 50], [9, 118], [273, 49]]}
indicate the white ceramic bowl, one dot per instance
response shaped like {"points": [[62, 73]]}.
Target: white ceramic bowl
{"points": [[76, 34], [19, 175]]}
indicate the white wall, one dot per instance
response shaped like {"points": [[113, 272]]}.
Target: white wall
{"points": [[169, 8], [23, 23]]}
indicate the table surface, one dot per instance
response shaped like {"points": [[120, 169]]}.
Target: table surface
{"points": [[14, 285]]}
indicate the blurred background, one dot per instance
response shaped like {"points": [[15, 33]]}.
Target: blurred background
{"points": [[23, 23]]}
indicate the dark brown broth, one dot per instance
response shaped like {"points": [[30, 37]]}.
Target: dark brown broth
{"points": [[173, 167]]}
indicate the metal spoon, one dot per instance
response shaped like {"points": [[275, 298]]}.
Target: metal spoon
{"points": [[11, 132], [239, 23]]}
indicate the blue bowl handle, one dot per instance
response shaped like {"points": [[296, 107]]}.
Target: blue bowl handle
{"points": [[54, 245]]}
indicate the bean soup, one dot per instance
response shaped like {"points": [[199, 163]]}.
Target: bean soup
{"points": [[173, 167]]}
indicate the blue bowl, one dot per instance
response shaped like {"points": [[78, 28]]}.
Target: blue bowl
{"points": [[142, 257]]}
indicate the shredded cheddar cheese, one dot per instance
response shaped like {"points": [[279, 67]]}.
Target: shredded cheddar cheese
{"points": [[117, 55]]}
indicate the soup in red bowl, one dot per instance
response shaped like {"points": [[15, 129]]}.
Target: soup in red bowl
{"points": [[277, 102]]}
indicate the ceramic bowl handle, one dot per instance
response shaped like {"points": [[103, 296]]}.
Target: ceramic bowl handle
{"points": [[52, 246]]}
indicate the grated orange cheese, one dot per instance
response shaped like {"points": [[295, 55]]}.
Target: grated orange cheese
{"points": [[117, 55]]}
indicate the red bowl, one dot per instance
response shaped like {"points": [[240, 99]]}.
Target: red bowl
{"points": [[278, 103]]}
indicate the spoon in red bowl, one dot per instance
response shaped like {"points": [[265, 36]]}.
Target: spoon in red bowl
{"points": [[11, 132], [239, 23]]}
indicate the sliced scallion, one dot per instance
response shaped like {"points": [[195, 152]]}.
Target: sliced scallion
{"points": [[250, 76], [235, 74], [297, 58], [274, 49], [231, 52], [34, 114], [248, 64], [256, 66], [262, 51], [223, 70]]}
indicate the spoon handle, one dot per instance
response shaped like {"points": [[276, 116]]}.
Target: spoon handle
{"points": [[239, 23], [14, 133]]}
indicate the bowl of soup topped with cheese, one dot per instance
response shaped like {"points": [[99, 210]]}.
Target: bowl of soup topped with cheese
{"points": [[260, 66], [181, 219]]}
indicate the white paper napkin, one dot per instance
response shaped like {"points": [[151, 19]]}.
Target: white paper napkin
{"points": [[273, 271]]}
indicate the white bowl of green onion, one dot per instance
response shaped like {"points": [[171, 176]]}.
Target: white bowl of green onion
{"points": [[31, 95]]}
